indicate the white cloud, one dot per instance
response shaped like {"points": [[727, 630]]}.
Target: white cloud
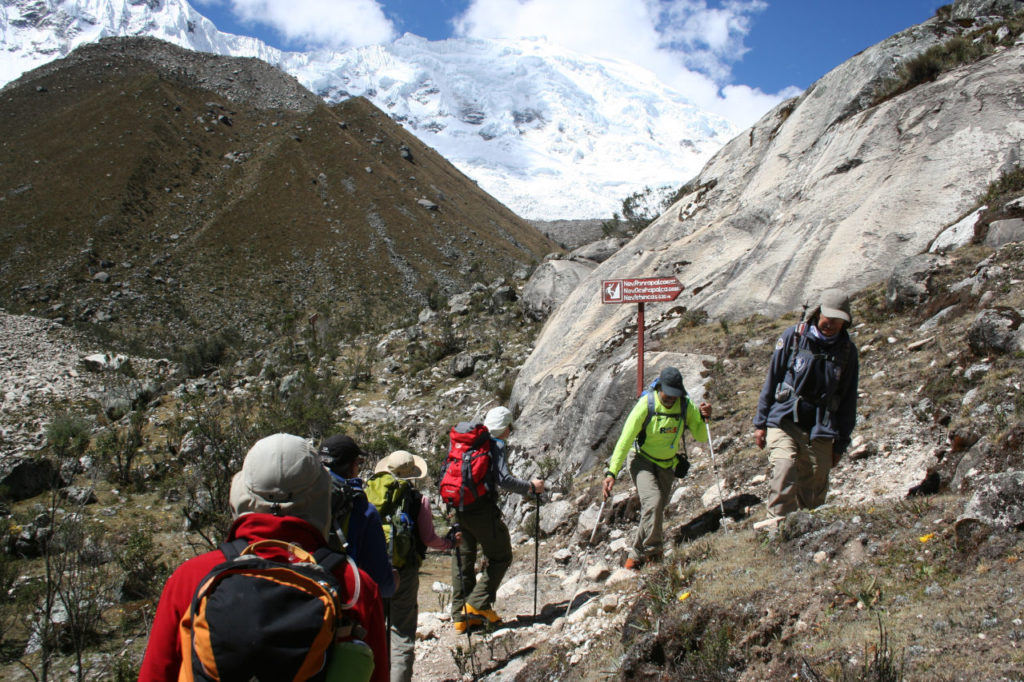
{"points": [[320, 23], [686, 43]]}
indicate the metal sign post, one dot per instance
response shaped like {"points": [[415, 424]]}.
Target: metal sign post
{"points": [[640, 291]]}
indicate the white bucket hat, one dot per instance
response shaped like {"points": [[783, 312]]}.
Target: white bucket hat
{"points": [[498, 419]]}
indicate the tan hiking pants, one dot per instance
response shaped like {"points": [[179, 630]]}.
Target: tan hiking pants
{"points": [[653, 485], [800, 469]]}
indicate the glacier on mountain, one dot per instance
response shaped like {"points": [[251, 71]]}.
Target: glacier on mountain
{"points": [[550, 133]]}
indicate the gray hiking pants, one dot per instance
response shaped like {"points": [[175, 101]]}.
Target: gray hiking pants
{"points": [[653, 485], [483, 528], [404, 616], [800, 469]]}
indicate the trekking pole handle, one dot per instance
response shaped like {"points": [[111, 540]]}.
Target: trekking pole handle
{"points": [[597, 521]]}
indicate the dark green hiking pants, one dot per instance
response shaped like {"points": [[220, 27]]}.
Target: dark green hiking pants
{"points": [[483, 529]]}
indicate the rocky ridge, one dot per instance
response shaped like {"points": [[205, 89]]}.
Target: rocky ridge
{"points": [[835, 188], [914, 333]]}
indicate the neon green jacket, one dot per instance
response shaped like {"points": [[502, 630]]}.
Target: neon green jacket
{"points": [[663, 433]]}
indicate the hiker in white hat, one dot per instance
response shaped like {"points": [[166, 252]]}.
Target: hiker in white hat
{"points": [[415, 505], [480, 519], [808, 406]]}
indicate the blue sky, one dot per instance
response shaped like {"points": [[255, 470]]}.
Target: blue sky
{"points": [[729, 56]]}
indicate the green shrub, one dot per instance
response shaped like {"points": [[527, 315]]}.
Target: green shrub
{"points": [[203, 355], [1010, 183], [117, 449], [139, 560], [220, 439], [68, 436], [957, 51]]}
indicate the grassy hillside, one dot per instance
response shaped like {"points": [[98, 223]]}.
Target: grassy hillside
{"points": [[212, 206]]}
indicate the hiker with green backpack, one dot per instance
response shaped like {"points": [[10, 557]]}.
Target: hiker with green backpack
{"points": [[409, 528], [654, 430]]}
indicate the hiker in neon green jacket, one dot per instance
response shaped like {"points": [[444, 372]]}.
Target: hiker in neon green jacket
{"points": [[657, 450]]}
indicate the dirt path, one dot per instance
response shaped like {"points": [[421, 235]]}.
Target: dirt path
{"points": [[498, 654]]}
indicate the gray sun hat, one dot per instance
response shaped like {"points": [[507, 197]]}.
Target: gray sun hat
{"points": [[282, 475], [835, 303], [498, 419]]}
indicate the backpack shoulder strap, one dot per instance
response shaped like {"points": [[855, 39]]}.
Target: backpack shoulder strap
{"points": [[328, 559], [232, 549]]}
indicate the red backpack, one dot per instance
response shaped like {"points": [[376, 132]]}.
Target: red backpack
{"points": [[465, 476]]}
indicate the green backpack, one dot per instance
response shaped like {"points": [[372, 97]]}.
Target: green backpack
{"points": [[393, 499]]}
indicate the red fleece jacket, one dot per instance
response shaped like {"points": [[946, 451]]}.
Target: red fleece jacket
{"points": [[163, 652]]}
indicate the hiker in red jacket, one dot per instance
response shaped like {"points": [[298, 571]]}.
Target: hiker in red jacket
{"points": [[282, 493]]}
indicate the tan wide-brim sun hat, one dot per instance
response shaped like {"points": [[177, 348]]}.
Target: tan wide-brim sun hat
{"points": [[402, 464]]}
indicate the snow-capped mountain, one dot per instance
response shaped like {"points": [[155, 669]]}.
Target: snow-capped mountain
{"points": [[550, 133]]}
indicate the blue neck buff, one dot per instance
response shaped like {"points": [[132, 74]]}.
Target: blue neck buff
{"points": [[821, 338]]}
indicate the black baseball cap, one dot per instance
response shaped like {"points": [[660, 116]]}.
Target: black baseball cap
{"points": [[671, 382], [338, 451]]}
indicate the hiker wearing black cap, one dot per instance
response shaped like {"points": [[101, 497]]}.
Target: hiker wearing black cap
{"points": [[656, 438], [356, 525], [808, 406]]}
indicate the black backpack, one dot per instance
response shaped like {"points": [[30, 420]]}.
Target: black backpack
{"points": [[256, 618], [805, 371], [344, 497]]}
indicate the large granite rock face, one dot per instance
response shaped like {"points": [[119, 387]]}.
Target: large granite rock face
{"points": [[825, 190]]}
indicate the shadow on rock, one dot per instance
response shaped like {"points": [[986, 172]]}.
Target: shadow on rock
{"points": [[711, 520]]}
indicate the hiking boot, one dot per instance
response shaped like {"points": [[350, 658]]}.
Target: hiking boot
{"points": [[632, 564], [468, 621], [492, 617]]}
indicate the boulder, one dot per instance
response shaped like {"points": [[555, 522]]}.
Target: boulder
{"points": [[908, 284], [1002, 232], [550, 284], [555, 515], [101, 362], [25, 477], [996, 330], [462, 365], [598, 251], [960, 233], [998, 500]]}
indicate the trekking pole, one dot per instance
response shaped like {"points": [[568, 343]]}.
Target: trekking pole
{"points": [[583, 564], [714, 467], [536, 556], [462, 588]]}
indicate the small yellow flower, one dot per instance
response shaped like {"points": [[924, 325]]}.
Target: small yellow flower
{"points": [[926, 538], [683, 596]]}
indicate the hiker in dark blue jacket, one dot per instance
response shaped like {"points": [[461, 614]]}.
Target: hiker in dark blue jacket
{"points": [[808, 406], [361, 525]]}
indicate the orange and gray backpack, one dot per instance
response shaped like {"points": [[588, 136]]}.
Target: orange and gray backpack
{"points": [[466, 473], [254, 618]]}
